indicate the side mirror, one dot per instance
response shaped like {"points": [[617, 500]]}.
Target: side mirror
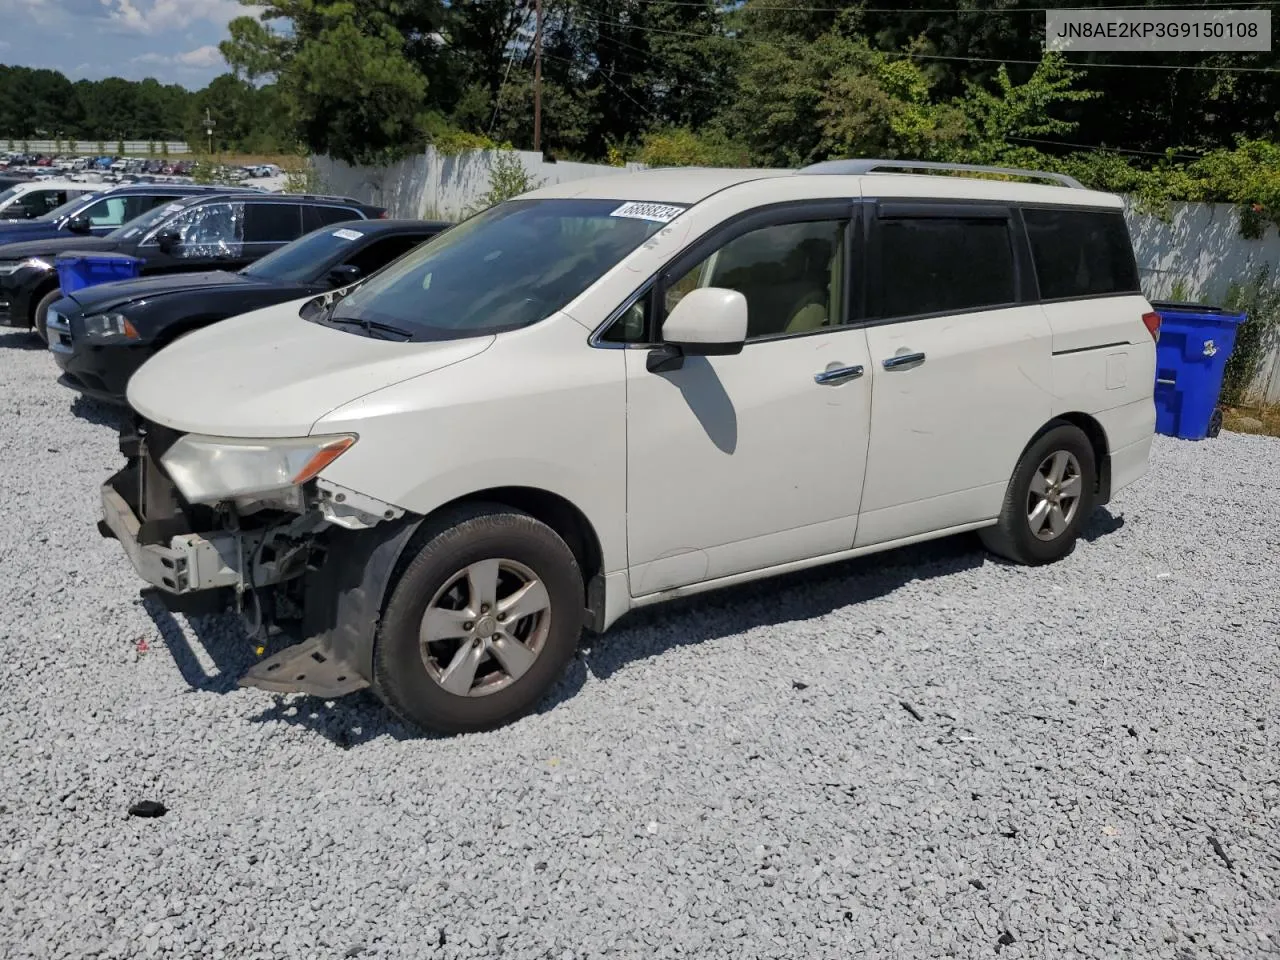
{"points": [[168, 240], [344, 274], [79, 224], [709, 322]]}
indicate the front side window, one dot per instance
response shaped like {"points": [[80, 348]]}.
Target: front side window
{"points": [[934, 265], [209, 230], [1080, 253], [508, 267], [107, 212], [790, 273]]}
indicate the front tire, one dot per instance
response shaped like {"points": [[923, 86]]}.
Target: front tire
{"points": [[41, 316], [1050, 496], [481, 623]]}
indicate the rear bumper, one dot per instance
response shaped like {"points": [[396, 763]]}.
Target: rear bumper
{"points": [[1129, 463]]}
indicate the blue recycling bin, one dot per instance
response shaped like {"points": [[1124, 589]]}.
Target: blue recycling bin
{"points": [[79, 270], [1195, 343]]}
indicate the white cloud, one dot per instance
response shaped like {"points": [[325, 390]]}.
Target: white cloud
{"points": [[158, 16], [201, 58]]}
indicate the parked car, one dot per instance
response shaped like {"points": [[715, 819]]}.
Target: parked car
{"points": [[614, 391], [97, 214], [9, 180], [35, 198], [100, 335], [222, 230]]}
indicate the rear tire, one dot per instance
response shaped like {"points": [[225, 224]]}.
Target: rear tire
{"points": [[41, 316], [481, 622], [1050, 496]]}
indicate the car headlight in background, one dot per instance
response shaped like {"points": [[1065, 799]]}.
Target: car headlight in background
{"points": [[209, 469], [109, 326], [13, 266]]}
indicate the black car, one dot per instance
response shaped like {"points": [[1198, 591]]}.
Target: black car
{"points": [[100, 335], [225, 230]]}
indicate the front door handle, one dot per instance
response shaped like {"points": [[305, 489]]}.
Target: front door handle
{"points": [[837, 375], [904, 361]]}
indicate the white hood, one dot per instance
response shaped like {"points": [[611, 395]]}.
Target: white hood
{"points": [[270, 373]]}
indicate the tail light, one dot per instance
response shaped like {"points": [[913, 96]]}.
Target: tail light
{"points": [[1152, 322], [383, 215]]}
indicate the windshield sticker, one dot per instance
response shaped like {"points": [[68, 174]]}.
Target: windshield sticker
{"points": [[657, 212], [347, 234]]}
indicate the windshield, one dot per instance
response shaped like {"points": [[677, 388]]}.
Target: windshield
{"points": [[68, 208], [8, 195], [513, 265], [303, 258], [135, 228]]}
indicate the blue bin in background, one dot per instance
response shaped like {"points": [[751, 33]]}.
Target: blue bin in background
{"points": [[79, 270], [1195, 343]]}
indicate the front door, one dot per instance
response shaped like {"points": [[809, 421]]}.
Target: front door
{"points": [[737, 463], [960, 367]]}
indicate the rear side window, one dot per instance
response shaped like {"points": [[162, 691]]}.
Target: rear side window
{"points": [[944, 264], [327, 216], [272, 222], [1080, 253]]}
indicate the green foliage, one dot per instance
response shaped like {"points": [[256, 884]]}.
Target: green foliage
{"points": [[72, 146], [507, 178], [120, 148], [1256, 337], [681, 147]]}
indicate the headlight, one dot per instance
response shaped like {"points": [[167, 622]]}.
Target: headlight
{"points": [[13, 266], [109, 326], [208, 469]]}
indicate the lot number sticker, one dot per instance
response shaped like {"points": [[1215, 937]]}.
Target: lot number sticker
{"points": [[657, 212], [347, 234]]}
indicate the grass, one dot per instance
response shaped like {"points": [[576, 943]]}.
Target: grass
{"points": [[1261, 420]]}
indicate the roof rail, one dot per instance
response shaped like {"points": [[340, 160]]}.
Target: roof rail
{"points": [[862, 166]]}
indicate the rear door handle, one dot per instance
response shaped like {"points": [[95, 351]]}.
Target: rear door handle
{"points": [[837, 375], [904, 361]]}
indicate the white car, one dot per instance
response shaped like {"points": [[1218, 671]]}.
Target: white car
{"points": [[614, 391], [35, 198]]}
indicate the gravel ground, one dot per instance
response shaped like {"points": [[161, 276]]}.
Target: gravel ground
{"points": [[922, 754]]}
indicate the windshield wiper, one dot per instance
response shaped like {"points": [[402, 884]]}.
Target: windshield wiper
{"points": [[369, 326]]}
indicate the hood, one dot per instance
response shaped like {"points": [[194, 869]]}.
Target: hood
{"points": [[270, 373], [108, 296], [54, 246], [20, 231]]}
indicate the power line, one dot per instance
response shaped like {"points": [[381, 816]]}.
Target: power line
{"points": [[932, 56], [786, 8], [1086, 146]]}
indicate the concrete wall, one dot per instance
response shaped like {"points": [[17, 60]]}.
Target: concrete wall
{"points": [[86, 148], [438, 185], [1200, 245]]}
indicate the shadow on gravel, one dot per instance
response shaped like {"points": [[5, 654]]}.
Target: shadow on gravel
{"points": [[1101, 524], [21, 340], [358, 718], [95, 411]]}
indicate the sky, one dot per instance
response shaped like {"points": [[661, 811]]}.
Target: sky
{"points": [[175, 41]]}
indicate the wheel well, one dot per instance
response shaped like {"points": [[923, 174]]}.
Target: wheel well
{"points": [[557, 513], [1101, 450]]}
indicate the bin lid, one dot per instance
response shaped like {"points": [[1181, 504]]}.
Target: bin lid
{"points": [[1198, 311]]}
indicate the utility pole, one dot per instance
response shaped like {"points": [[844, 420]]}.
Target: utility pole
{"points": [[208, 129], [537, 78]]}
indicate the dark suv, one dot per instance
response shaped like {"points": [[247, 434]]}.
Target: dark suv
{"points": [[224, 230]]}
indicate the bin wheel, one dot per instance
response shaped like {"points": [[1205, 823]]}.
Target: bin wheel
{"points": [[1215, 423]]}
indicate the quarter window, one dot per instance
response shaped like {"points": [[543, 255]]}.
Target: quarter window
{"points": [[944, 264], [1080, 253], [331, 215]]}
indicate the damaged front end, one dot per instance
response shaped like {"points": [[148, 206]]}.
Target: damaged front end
{"points": [[310, 563]]}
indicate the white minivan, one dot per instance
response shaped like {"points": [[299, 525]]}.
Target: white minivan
{"points": [[610, 392]]}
